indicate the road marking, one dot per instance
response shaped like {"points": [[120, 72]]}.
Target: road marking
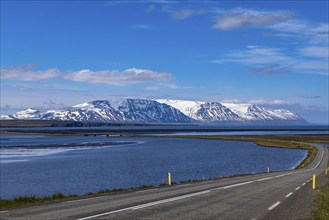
{"points": [[319, 161], [289, 194], [102, 214], [147, 204], [280, 175], [235, 185], [146, 190], [168, 200], [193, 194], [303, 184], [298, 188], [80, 200], [267, 178], [3, 211], [185, 184], [273, 206]]}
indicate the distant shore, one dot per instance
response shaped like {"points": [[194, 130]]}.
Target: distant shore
{"points": [[285, 141]]}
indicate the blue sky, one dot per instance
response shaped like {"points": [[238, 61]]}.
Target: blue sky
{"points": [[61, 53]]}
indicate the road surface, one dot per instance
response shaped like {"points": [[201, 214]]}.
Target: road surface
{"points": [[257, 196]]}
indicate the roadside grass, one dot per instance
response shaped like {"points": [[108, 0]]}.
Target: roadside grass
{"points": [[57, 196], [31, 199], [321, 211]]}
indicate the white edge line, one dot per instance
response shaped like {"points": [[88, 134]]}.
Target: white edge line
{"points": [[235, 185], [102, 214], [303, 184], [81, 200], [298, 188], [267, 178], [165, 200], [194, 194], [147, 204], [146, 190], [319, 161], [280, 175], [289, 194], [273, 206], [3, 211], [168, 200]]}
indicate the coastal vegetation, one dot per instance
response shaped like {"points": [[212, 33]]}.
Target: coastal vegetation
{"points": [[321, 211]]}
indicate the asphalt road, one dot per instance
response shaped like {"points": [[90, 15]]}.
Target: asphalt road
{"points": [[261, 196]]}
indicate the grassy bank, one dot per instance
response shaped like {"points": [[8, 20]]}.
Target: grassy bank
{"points": [[32, 199], [29, 200], [321, 211], [59, 197]]}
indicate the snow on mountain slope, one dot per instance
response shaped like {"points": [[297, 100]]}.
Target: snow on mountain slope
{"points": [[252, 112], [162, 111], [189, 108], [113, 110], [148, 110], [203, 111], [5, 117], [27, 114]]}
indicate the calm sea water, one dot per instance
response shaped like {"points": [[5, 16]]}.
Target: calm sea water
{"points": [[40, 170]]}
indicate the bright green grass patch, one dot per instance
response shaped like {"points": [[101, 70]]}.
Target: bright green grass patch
{"points": [[322, 206], [30, 200]]}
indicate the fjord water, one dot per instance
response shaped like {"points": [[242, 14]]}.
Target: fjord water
{"points": [[139, 161]]}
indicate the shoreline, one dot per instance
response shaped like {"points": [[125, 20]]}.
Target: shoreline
{"points": [[29, 200], [292, 142]]}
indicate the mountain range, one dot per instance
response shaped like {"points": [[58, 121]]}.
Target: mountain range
{"points": [[161, 111]]}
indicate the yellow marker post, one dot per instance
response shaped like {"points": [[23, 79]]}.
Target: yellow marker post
{"points": [[313, 185], [169, 178], [326, 172]]}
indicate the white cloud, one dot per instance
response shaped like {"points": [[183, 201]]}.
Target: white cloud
{"points": [[115, 77], [254, 55], [26, 73], [166, 85], [314, 33], [111, 77], [273, 60], [319, 67], [315, 51], [238, 18]]}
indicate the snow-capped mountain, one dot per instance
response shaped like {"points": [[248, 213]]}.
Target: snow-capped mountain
{"points": [[203, 111], [161, 111], [251, 112], [29, 113], [113, 110]]}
